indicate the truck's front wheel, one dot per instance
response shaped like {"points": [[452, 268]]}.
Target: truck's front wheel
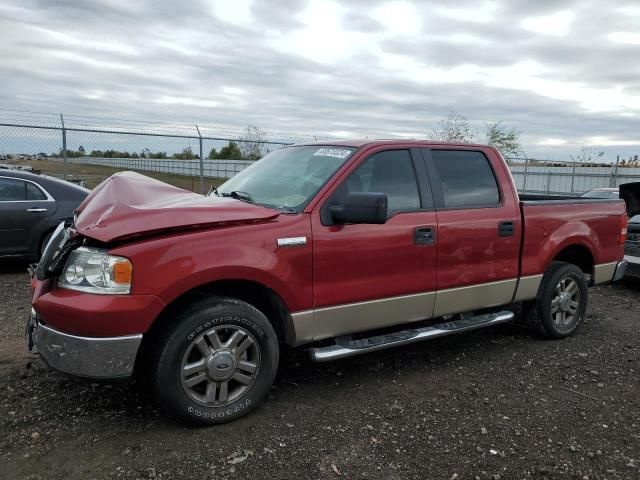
{"points": [[217, 362], [561, 304]]}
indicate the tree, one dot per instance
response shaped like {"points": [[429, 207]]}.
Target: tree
{"points": [[250, 143], [507, 141], [588, 154], [454, 128], [186, 154], [81, 150], [230, 152]]}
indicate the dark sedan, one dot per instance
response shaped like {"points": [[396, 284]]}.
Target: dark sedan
{"points": [[31, 206]]}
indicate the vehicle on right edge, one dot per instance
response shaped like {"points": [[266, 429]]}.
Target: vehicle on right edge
{"points": [[341, 248], [632, 245]]}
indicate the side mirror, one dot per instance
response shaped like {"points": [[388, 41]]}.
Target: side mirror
{"points": [[367, 207]]}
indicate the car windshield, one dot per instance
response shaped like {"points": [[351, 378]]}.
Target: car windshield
{"points": [[287, 178]]}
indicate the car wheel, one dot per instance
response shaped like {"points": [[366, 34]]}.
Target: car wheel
{"points": [[216, 363], [561, 303]]}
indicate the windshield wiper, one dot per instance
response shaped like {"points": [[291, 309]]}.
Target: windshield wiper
{"points": [[286, 209], [238, 195]]}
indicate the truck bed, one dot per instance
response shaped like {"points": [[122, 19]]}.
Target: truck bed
{"points": [[534, 197], [552, 224]]}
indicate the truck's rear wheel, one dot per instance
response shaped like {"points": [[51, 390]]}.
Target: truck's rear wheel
{"points": [[217, 362], [561, 304]]}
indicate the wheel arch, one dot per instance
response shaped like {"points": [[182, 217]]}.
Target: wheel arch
{"points": [[265, 299], [577, 254]]}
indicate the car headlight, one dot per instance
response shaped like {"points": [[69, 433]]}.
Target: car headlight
{"points": [[94, 271]]}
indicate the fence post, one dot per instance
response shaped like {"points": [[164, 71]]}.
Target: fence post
{"points": [[64, 149], [573, 172], [548, 182], [614, 177], [201, 162], [526, 166]]}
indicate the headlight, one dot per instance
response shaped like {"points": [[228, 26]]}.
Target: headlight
{"points": [[94, 271]]}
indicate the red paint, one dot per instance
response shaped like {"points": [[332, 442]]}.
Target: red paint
{"points": [[551, 228], [90, 315], [178, 240], [352, 263]]}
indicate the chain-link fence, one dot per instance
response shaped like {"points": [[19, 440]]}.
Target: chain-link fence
{"points": [[568, 178], [68, 146], [88, 149]]}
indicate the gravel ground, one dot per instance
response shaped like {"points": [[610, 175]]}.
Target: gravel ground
{"points": [[493, 404]]}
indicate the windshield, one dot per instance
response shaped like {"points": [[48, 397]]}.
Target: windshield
{"points": [[287, 178]]}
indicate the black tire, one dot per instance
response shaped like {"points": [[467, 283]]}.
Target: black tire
{"points": [[545, 315], [215, 321]]}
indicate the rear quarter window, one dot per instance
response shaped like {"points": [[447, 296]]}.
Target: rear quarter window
{"points": [[34, 193], [466, 179]]}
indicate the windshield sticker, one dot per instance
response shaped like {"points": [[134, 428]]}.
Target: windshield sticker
{"points": [[332, 152]]}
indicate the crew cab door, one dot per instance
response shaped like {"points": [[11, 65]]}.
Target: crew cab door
{"points": [[479, 229], [373, 276]]}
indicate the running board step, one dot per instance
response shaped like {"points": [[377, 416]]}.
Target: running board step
{"points": [[348, 347]]}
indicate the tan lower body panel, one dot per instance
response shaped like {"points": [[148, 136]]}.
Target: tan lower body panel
{"points": [[527, 288], [361, 316], [473, 297], [321, 323], [603, 273]]}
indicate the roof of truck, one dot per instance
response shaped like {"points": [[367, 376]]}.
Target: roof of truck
{"points": [[357, 143]]}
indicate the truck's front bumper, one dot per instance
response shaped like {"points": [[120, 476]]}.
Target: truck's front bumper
{"points": [[111, 357]]}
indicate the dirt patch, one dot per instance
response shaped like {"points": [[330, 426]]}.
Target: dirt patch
{"points": [[489, 404]]}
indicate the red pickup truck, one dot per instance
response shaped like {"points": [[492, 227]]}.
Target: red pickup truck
{"points": [[345, 248]]}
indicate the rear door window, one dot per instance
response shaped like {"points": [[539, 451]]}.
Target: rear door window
{"points": [[466, 179], [12, 190]]}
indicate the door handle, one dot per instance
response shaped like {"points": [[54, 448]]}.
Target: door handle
{"points": [[506, 229], [36, 210], [424, 235]]}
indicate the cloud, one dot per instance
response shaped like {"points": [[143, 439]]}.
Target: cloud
{"points": [[560, 71]]}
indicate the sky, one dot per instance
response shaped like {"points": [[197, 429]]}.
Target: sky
{"points": [[564, 73]]}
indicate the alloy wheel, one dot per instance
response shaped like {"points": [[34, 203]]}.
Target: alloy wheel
{"points": [[220, 365], [565, 303]]}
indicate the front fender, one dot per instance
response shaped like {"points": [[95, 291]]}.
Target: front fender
{"points": [[172, 265]]}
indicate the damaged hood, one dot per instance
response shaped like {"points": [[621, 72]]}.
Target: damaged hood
{"points": [[128, 204]]}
